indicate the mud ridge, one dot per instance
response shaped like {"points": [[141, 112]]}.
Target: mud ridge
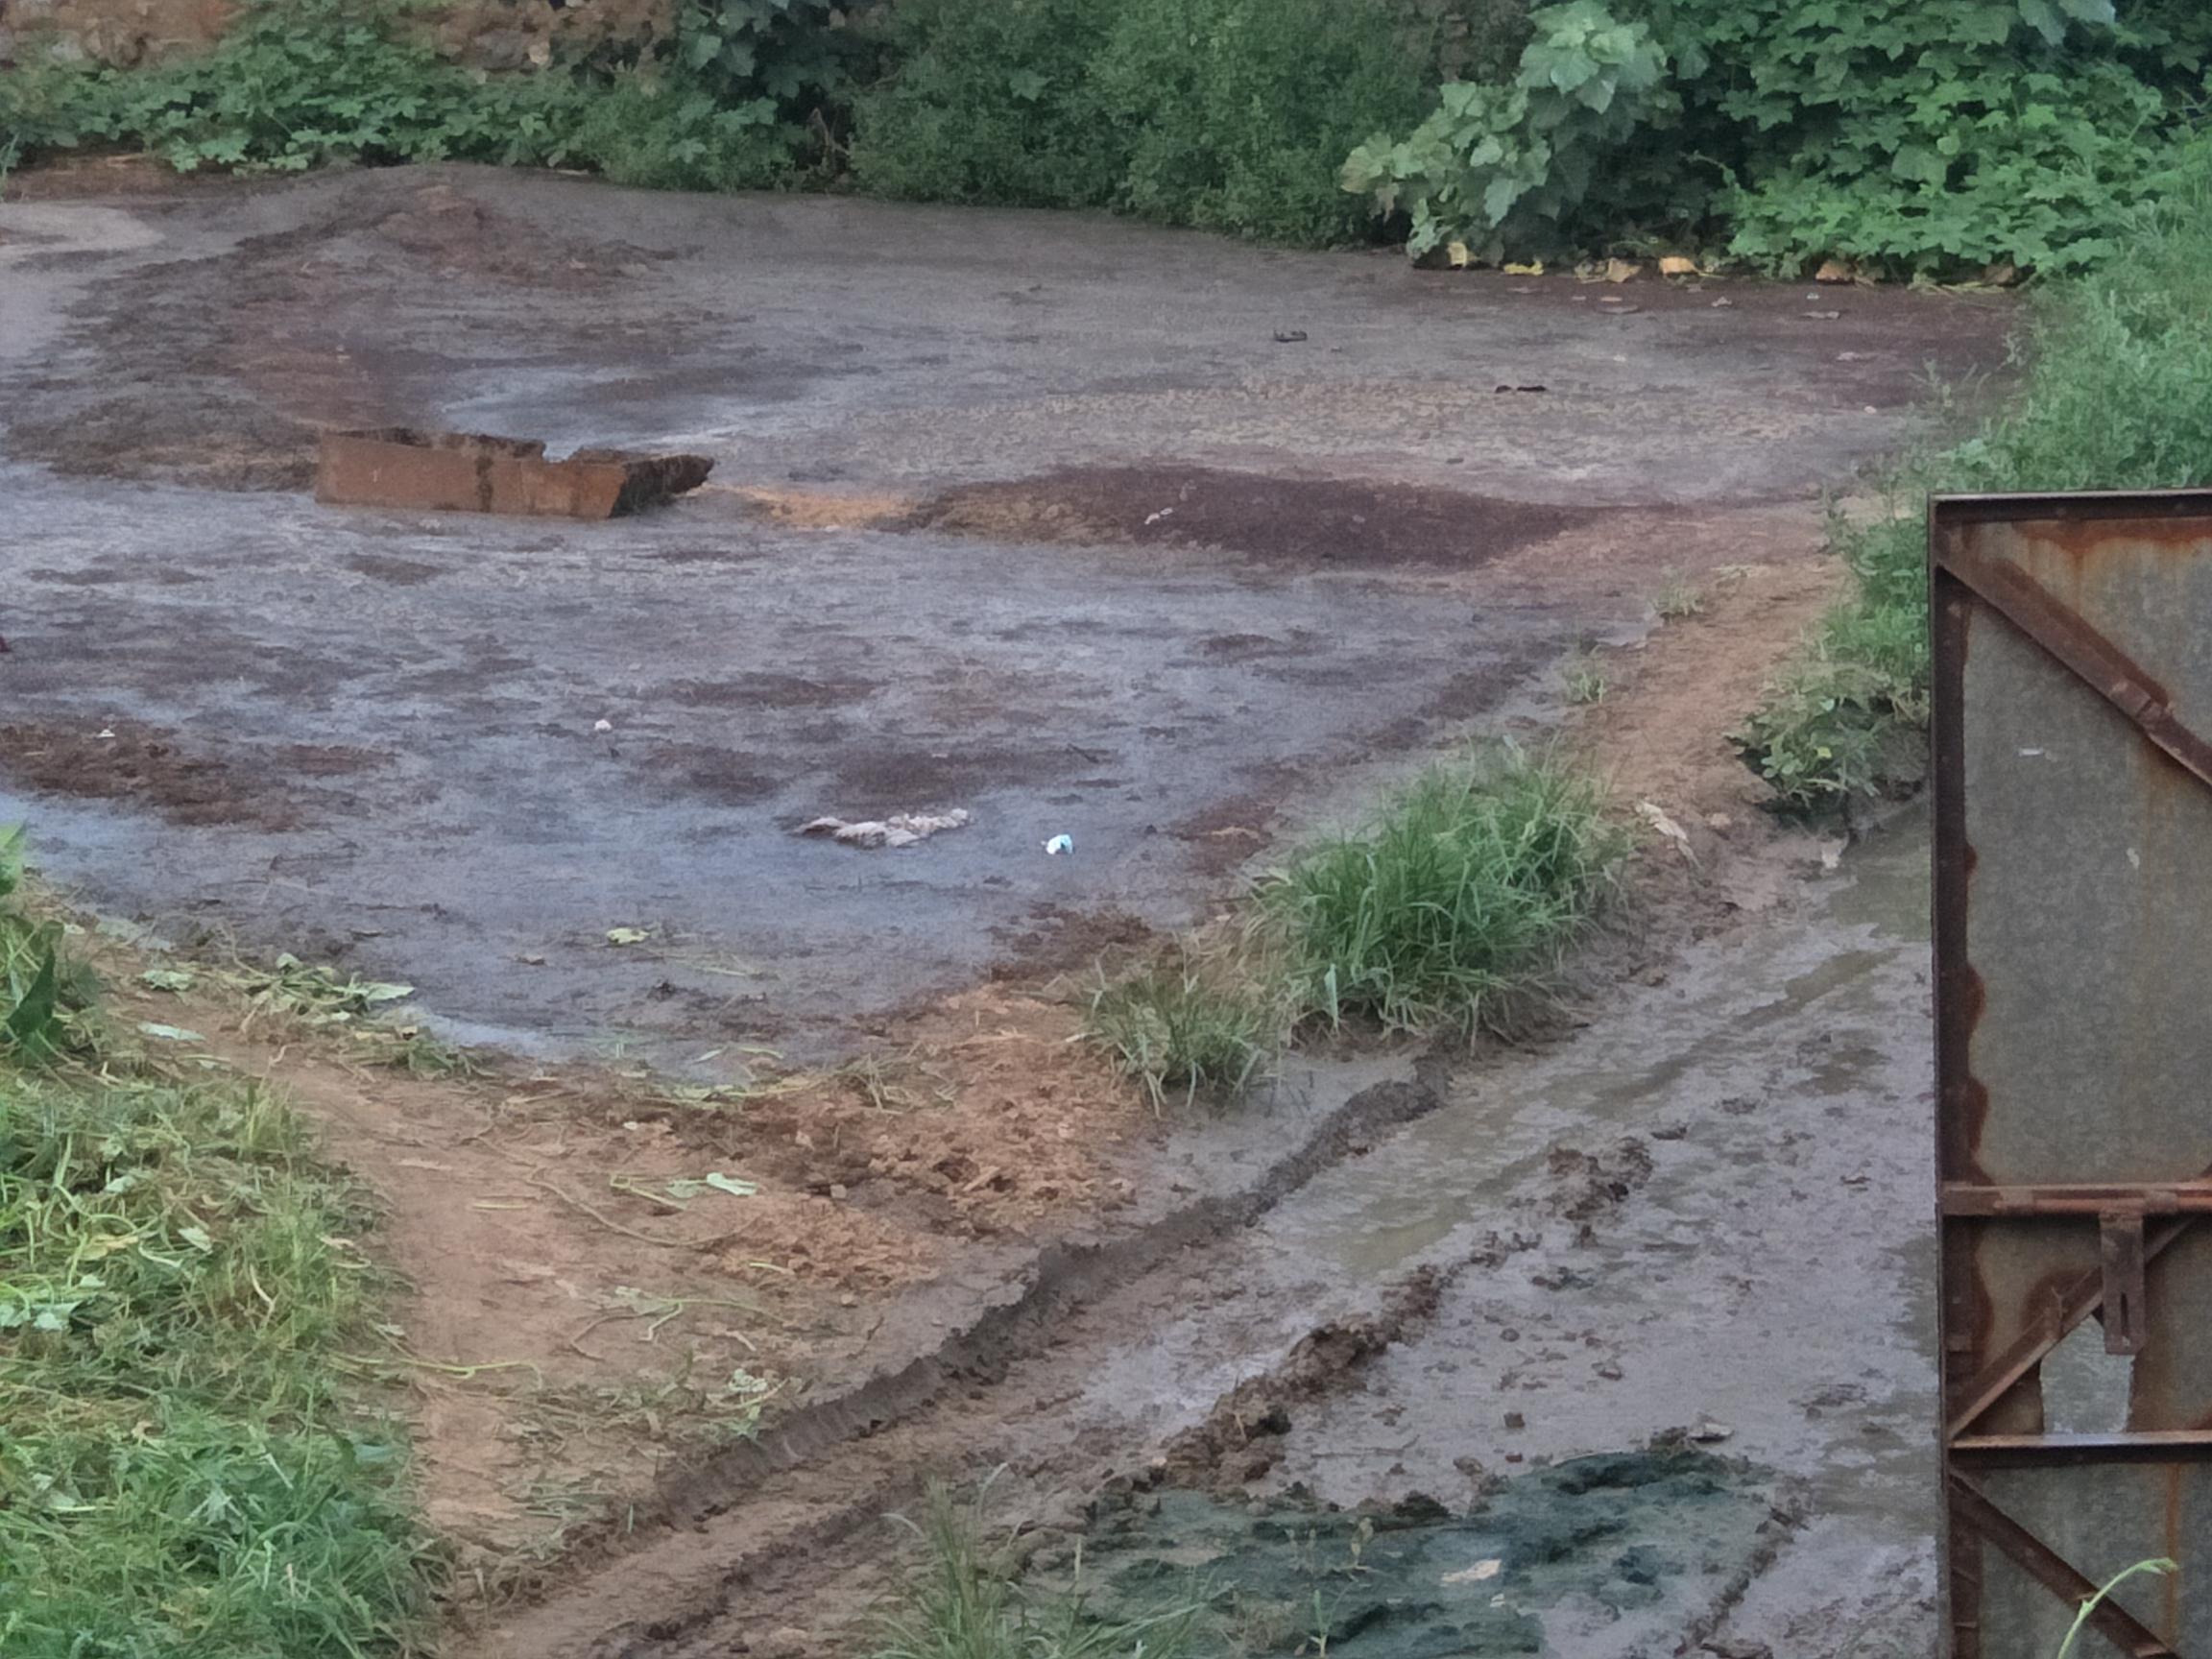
{"points": [[1060, 1276]]}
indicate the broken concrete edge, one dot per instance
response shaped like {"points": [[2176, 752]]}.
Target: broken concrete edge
{"points": [[480, 472], [1041, 1286]]}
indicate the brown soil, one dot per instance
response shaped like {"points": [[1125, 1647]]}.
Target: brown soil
{"points": [[1661, 731], [576, 1312], [148, 766], [762, 691], [83, 177], [1058, 940], [1297, 521]]}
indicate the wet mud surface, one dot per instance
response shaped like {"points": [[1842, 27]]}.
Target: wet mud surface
{"points": [[1034, 518], [1697, 1228], [1101, 614], [1598, 1553]]}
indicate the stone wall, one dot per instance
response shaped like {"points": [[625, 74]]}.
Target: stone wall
{"points": [[490, 34]]}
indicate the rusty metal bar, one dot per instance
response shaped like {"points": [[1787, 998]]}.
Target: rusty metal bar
{"points": [[2107, 670], [2075, 507], [2127, 1318], [1971, 1504], [2084, 1199], [2045, 1451]]}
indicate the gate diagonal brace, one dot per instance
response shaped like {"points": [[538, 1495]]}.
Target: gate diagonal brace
{"points": [[1971, 1504], [2080, 1299], [2109, 672]]}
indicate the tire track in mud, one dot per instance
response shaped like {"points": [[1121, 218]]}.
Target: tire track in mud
{"points": [[619, 1563], [781, 1526]]}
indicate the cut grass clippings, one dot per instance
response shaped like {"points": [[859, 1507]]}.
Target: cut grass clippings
{"points": [[2116, 393], [185, 1468], [1463, 890]]}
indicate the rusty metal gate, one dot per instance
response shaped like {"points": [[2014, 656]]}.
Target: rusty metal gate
{"points": [[2073, 798]]}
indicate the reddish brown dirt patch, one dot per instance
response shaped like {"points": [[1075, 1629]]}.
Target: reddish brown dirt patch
{"points": [[1224, 835], [1661, 731], [1346, 523], [880, 778], [582, 1314], [984, 1115], [1058, 940], [146, 766], [81, 177]]}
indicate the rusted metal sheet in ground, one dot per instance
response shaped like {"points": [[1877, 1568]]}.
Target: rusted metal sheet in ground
{"points": [[2073, 704], [473, 473]]}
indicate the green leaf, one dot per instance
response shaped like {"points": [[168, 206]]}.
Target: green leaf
{"points": [[30, 1026], [13, 841]]}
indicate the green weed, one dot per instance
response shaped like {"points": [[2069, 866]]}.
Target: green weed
{"points": [[2158, 1565], [1584, 681], [962, 1604], [1920, 136], [1677, 598], [2116, 395], [1463, 890], [1189, 1025], [45, 995], [181, 1471]]}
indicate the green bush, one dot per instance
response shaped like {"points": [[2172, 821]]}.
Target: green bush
{"points": [[732, 100], [2117, 394], [296, 83], [1463, 890], [1503, 170], [1229, 114], [1917, 136], [991, 101], [1238, 111]]}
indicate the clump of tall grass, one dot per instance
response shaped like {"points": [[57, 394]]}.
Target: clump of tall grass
{"points": [[1190, 1024], [1462, 891], [963, 1602]]}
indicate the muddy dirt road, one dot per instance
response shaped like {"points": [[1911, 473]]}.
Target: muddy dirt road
{"points": [[1704, 1217], [1174, 546], [1136, 571]]}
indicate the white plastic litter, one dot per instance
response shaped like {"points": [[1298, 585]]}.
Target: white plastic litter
{"points": [[901, 830], [1058, 845], [602, 725]]}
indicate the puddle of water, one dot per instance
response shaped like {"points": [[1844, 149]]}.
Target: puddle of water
{"points": [[1593, 1558]]}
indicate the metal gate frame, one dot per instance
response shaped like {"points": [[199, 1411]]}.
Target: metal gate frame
{"points": [[2138, 1222]]}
